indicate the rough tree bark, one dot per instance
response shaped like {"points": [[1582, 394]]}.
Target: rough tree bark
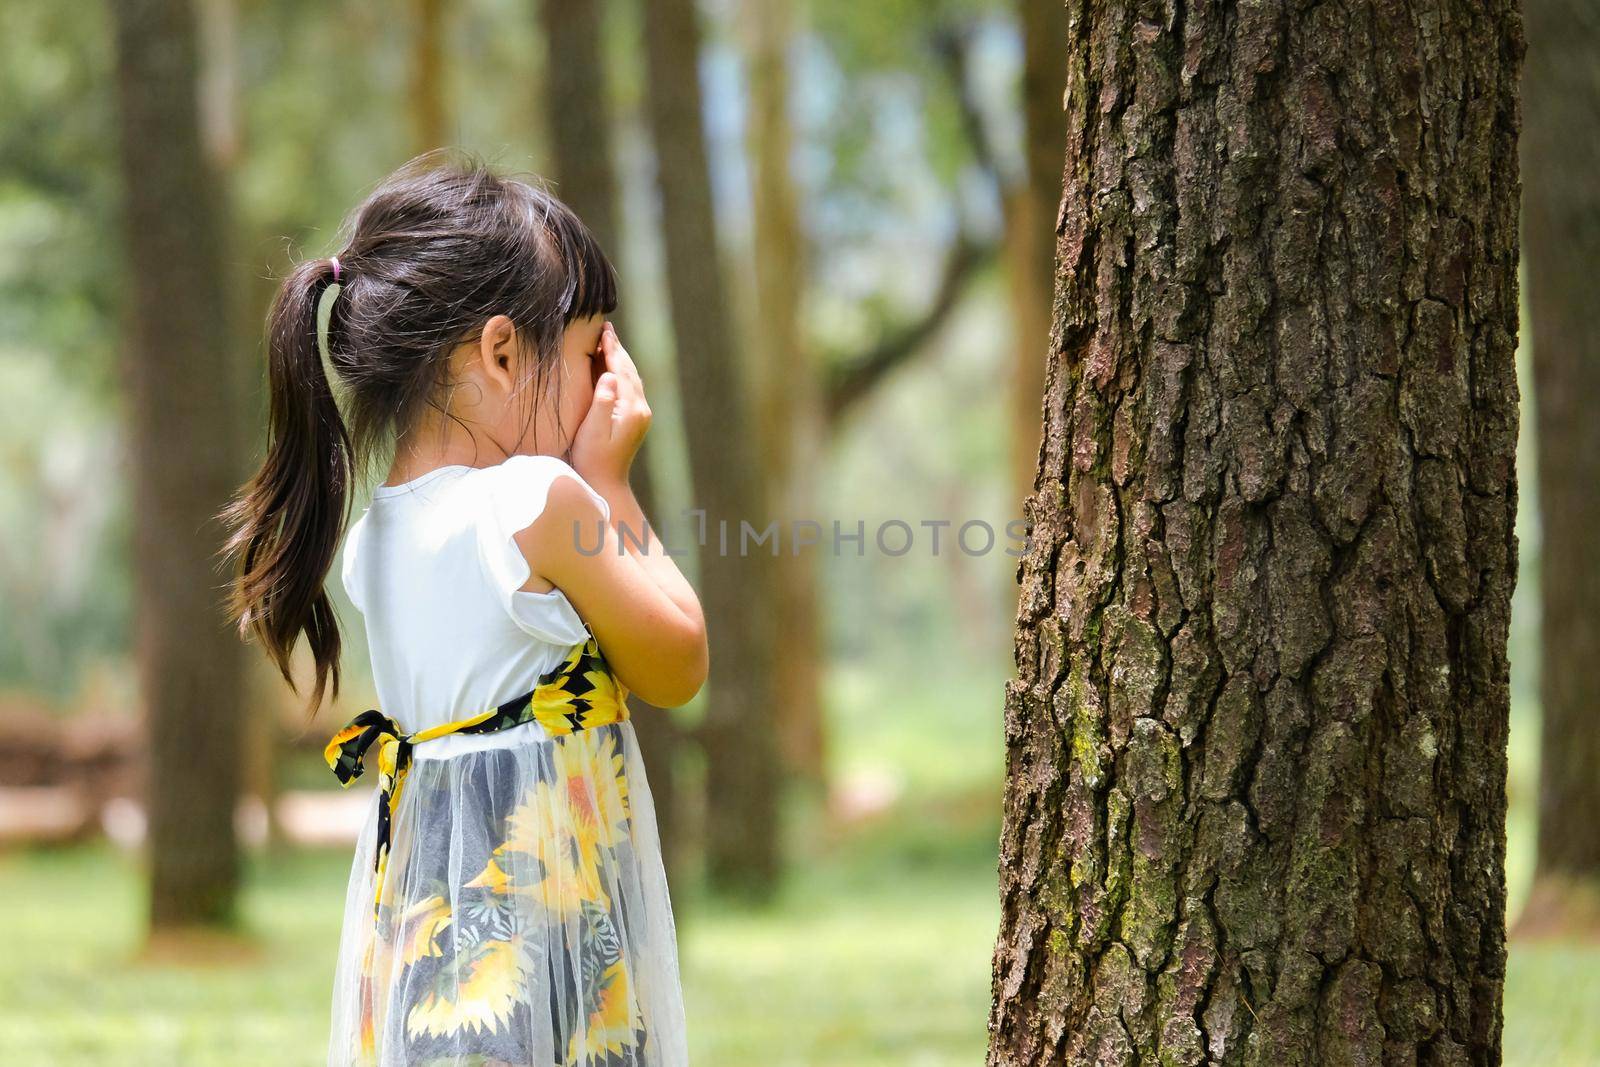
{"points": [[181, 396], [1561, 153], [742, 767], [577, 101], [1256, 742]]}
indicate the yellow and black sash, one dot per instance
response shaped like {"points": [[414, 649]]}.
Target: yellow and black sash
{"points": [[579, 693]]}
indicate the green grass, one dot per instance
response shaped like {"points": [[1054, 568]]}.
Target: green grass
{"points": [[847, 967], [75, 993], [875, 955], [876, 952]]}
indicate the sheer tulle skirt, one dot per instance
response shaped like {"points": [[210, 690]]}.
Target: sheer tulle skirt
{"points": [[523, 915]]}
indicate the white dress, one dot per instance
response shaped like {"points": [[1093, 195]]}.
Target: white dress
{"points": [[519, 912]]}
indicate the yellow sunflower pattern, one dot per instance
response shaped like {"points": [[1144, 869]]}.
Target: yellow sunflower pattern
{"points": [[537, 914], [569, 858], [478, 993], [558, 854]]}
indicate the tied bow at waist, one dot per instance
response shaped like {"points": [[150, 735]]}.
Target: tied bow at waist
{"points": [[579, 693]]}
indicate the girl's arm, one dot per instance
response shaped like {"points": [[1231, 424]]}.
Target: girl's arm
{"points": [[642, 610], [629, 522], [653, 637]]}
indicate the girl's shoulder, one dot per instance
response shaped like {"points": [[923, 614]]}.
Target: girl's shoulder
{"points": [[465, 521], [517, 488], [515, 493]]}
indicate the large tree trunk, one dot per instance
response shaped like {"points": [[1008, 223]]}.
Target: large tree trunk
{"points": [[742, 770], [184, 463], [1256, 743], [577, 102], [790, 386], [1561, 153]]}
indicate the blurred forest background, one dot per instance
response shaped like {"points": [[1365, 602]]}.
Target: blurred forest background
{"points": [[878, 181]]}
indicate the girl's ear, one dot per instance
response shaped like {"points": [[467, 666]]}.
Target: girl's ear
{"points": [[499, 353]]}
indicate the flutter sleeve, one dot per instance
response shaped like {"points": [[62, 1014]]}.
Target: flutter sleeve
{"points": [[513, 499], [349, 573]]}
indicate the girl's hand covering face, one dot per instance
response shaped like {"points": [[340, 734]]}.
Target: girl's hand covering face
{"points": [[618, 574], [618, 418]]}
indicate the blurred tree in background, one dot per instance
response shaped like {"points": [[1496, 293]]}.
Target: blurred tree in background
{"points": [[787, 384], [1030, 199], [1561, 198], [182, 429], [743, 846], [429, 108]]}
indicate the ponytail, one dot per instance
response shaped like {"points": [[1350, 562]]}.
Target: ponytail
{"points": [[287, 520]]}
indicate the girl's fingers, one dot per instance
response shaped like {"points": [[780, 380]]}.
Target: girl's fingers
{"points": [[617, 358], [631, 404], [605, 397]]}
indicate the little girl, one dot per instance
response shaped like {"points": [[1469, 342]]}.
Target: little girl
{"points": [[507, 903]]}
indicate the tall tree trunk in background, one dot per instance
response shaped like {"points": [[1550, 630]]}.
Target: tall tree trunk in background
{"points": [[789, 389], [428, 124], [1023, 219], [742, 767], [1561, 153], [184, 461], [577, 100], [222, 145], [1030, 224], [1255, 806]]}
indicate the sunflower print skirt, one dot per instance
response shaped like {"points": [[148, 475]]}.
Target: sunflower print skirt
{"points": [[512, 908]]}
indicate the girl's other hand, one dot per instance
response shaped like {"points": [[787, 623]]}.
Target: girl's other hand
{"points": [[618, 417]]}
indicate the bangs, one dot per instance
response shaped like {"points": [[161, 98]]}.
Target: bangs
{"points": [[591, 280]]}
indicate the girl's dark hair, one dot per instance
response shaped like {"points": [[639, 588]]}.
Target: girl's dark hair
{"points": [[438, 248]]}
